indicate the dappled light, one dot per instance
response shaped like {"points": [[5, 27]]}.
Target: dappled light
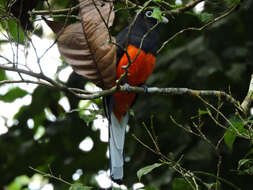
{"points": [[75, 112], [86, 145]]}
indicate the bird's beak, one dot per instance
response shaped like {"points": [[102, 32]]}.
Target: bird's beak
{"points": [[164, 20]]}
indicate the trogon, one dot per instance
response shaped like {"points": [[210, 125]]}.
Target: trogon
{"points": [[140, 40], [117, 106]]}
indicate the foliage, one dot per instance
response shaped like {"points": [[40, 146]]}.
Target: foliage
{"points": [[16, 31], [147, 169], [186, 142], [13, 94]]}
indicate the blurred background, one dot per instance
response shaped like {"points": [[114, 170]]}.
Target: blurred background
{"points": [[55, 133]]}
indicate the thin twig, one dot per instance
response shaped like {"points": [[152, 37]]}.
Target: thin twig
{"points": [[50, 175], [152, 138], [59, 11], [218, 172], [233, 129], [198, 29], [143, 144], [183, 9]]}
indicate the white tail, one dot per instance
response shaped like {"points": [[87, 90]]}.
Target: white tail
{"points": [[117, 139]]}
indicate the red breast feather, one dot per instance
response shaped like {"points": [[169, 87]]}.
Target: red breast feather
{"points": [[138, 73]]}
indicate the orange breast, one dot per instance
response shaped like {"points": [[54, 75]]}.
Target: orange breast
{"points": [[140, 69], [138, 73]]}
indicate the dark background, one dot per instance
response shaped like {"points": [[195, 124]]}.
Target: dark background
{"points": [[218, 58]]}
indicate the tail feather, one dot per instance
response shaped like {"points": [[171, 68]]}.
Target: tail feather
{"points": [[116, 144]]}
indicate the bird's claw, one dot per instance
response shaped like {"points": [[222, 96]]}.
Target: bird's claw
{"points": [[127, 86], [145, 88]]}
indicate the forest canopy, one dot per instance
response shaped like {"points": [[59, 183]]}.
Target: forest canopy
{"points": [[191, 129]]}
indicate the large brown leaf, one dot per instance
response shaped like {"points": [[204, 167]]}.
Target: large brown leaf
{"points": [[86, 47]]}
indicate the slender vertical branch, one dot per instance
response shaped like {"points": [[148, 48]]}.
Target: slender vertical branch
{"points": [[249, 98]]}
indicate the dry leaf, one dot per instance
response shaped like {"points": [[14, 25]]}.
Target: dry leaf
{"points": [[57, 27], [86, 47]]}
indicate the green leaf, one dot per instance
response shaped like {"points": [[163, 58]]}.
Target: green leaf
{"points": [[244, 162], [230, 135], [2, 75], [19, 182], [181, 184], [203, 17], [79, 186], [131, 112], [229, 138], [245, 167], [157, 13], [16, 31], [147, 169], [13, 94], [202, 112], [3, 3], [39, 132]]}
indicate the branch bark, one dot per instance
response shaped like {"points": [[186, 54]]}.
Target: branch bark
{"points": [[249, 98], [82, 94]]}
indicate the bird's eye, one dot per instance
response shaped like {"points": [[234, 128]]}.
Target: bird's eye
{"points": [[148, 13]]}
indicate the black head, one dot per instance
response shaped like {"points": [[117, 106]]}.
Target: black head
{"points": [[146, 20], [142, 27]]}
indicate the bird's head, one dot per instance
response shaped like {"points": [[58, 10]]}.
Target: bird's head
{"points": [[149, 17]]}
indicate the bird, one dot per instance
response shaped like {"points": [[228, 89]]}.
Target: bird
{"points": [[140, 39], [141, 50]]}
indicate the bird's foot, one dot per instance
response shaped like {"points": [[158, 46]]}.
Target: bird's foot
{"points": [[127, 86], [145, 88]]}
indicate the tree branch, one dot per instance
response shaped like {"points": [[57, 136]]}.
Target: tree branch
{"points": [[82, 94], [30, 73], [25, 81], [39, 76], [59, 11], [249, 98]]}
